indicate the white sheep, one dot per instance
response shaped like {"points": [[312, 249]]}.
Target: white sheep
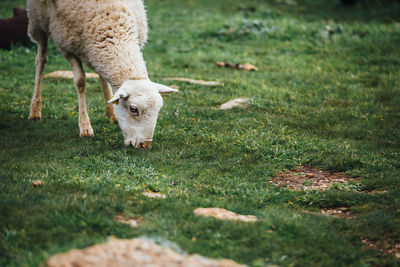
{"points": [[106, 35]]}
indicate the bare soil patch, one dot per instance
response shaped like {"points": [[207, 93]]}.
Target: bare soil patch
{"points": [[224, 214], [134, 252], [384, 247], [341, 212], [308, 177], [127, 220]]}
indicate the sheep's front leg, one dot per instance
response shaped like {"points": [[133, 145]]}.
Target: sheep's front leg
{"points": [[85, 129], [107, 96], [41, 58]]}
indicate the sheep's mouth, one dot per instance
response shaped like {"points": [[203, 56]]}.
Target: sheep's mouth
{"points": [[146, 144]]}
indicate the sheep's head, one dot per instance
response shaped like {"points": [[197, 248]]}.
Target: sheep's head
{"points": [[136, 105]]}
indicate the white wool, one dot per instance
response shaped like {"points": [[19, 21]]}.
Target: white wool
{"points": [[106, 35]]}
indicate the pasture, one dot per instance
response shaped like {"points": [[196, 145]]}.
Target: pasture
{"points": [[326, 94]]}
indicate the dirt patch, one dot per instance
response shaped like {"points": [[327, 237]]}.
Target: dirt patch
{"points": [[224, 214], [134, 252], [341, 212], [310, 178], [384, 247], [130, 221]]}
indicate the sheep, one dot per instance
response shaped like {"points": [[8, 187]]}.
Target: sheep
{"points": [[106, 35], [14, 30]]}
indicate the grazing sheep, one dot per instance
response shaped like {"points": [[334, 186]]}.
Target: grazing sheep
{"points": [[14, 30], [106, 35]]}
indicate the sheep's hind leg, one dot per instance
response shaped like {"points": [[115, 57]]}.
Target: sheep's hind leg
{"points": [[41, 58], [85, 129], [107, 96]]}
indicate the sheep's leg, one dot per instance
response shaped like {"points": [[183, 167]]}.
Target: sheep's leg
{"points": [[85, 129], [107, 96], [41, 58]]}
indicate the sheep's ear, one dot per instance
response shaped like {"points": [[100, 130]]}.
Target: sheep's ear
{"points": [[121, 93], [162, 89]]}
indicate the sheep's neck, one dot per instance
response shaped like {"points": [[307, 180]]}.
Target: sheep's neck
{"points": [[121, 63]]}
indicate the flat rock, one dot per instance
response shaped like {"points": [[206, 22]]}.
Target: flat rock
{"points": [[224, 214], [37, 183], [237, 102], [126, 220], [193, 81], [154, 194], [66, 74], [132, 253]]}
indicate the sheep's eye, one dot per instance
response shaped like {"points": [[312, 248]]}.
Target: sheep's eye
{"points": [[134, 110]]}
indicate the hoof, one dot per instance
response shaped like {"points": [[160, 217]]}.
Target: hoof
{"points": [[86, 132], [35, 117], [35, 112], [113, 119], [110, 113]]}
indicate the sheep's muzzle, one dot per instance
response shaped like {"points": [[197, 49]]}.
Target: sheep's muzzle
{"points": [[145, 144]]}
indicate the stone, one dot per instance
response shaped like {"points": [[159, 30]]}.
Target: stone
{"points": [[154, 194], [66, 74], [193, 81], [132, 253], [237, 102], [130, 221], [224, 214], [37, 183]]}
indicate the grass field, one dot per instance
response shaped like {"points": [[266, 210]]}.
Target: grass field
{"points": [[323, 96]]}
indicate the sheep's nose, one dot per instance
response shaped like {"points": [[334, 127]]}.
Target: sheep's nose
{"points": [[145, 144]]}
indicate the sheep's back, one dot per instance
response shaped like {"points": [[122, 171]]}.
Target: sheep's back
{"points": [[77, 26], [104, 34]]}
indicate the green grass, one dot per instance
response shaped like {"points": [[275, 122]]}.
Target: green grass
{"points": [[327, 100]]}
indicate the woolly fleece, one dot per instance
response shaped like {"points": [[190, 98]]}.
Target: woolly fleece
{"points": [[107, 35]]}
